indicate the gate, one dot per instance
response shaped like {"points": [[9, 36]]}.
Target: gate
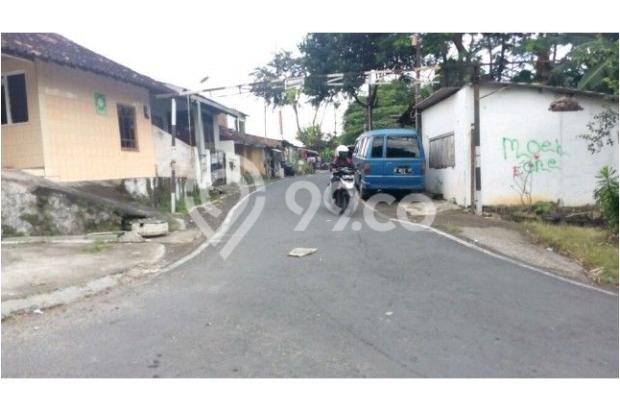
{"points": [[218, 168]]}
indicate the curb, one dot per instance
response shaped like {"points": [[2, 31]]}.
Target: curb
{"points": [[88, 238]]}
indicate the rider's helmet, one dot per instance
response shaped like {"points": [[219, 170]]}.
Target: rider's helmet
{"points": [[342, 151]]}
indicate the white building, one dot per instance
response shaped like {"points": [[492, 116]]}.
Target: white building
{"points": [[523, 144]]}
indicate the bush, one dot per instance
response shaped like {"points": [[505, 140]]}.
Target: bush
{"points": [[606, 195], [543, 208]]}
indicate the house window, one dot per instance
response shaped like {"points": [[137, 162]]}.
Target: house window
{"points": [[127, 126], [14, 100], [441, 151]]}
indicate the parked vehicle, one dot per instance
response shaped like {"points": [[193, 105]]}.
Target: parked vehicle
{"points": [[342, 187], [389, 159]]}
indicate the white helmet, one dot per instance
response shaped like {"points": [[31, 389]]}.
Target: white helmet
{"points": [[342, 150]]}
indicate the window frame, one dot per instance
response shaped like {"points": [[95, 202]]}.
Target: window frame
{"points": [[406, 136], [361, 142], [7, 100], [434, 139], [136, 146], [372, 145]]}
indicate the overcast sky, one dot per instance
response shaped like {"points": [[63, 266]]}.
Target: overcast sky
{"points": [[185, 57]]}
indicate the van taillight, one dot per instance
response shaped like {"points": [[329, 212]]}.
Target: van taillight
{"points": [[366, 169], [423, 170]]}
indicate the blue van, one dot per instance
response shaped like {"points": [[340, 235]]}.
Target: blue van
{"points": [[389, 159]]}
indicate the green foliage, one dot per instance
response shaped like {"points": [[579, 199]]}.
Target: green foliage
{"points": [[310, 136], [543, 208], [606, 195], [600, 130], [351, 54], [392, 100], [593, 65], [269, 79], [10, 231]]}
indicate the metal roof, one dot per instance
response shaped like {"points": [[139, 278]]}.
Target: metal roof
{"points": [[205, 100], [446, 92]]}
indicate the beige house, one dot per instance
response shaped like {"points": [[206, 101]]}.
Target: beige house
{"points": [[70, 114]]}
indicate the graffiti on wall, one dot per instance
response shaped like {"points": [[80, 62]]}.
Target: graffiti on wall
{"points": [[532, 156]]}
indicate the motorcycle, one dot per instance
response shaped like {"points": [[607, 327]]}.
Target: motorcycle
{"points": [[343, 187]]}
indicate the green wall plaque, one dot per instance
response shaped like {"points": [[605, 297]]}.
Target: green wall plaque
{"points": [[100, 104]]}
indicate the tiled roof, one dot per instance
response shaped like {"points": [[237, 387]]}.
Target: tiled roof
{"points": [[248, 139], [60, 50]]}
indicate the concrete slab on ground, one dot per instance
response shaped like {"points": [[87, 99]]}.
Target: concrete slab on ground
{"points": [[30, 269]]}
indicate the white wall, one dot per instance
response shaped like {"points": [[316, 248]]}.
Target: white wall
{"points": [[233, 162], [452, 115], [185, 155], [517, 127]]}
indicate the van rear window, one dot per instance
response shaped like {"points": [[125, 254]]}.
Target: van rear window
{"points": [[402, 146], [377, 147]]}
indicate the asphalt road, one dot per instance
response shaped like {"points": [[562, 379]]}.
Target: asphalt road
{"points": [[366, 304]]}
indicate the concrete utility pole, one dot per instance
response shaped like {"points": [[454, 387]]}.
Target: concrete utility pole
{"points": [[476, 138], [265, 119], [369, 105], [173, 131], [416, 41]]}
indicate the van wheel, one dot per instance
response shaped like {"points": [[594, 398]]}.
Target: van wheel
{"points": [[364, 193]]}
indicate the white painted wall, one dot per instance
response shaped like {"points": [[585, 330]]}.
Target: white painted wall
{"points": [[510, 120], [452, 115], [185, 155], [516, 126], [233, 162]]}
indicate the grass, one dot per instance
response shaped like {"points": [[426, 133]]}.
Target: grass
{"points": [[590, 246], [96, 247]]}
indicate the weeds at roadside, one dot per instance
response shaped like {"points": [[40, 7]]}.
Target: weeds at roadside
{"points": [[589, 246]]}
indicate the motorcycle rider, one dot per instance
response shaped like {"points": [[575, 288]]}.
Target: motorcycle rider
{"points": [[341, 159]]}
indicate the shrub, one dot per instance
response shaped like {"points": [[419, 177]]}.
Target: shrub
{"points": [[606, 195], [543, 208]]}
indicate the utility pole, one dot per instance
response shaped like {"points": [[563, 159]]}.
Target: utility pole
{"points": [[369, 105], [173, 132], [335, 118], [265, 119], [476, 137], [416, 41]]}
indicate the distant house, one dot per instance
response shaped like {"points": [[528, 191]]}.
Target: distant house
{"points": [[265, 154], [70, 114], [529, 141], [200, 153]]}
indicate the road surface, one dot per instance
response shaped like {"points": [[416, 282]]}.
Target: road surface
{"points": [[366, 304]]}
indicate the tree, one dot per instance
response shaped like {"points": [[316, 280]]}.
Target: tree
{"points": [[269, 82], [392, 100], [310, 136], [352, 54], [593, 64]]}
